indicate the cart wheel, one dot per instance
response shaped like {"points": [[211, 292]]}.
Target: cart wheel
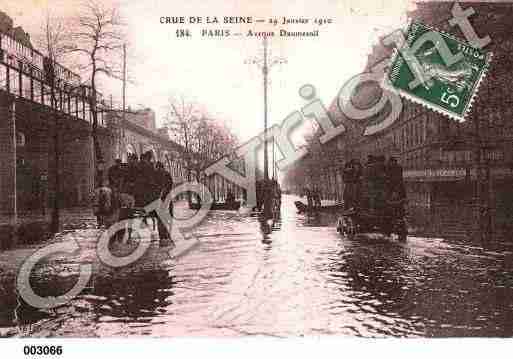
{"points": [[349, 227]]}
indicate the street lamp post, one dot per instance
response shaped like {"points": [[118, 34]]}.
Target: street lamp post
{"points": [[265, 72], [267, 197], [265, 63]]}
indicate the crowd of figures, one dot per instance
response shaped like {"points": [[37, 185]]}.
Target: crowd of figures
{"points": [[268, 188], [377, 187], [127, 188], [313, 197]]}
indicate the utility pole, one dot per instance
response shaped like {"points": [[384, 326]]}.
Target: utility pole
{"points": [[14, 218], [265, 63], [274, 159], [123, 121], [265, 72]]}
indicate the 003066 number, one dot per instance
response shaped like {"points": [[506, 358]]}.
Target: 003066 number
{"points": [[42, 350]]}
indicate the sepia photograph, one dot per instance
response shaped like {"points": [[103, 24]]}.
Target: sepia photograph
{"points": [[253, 170]]}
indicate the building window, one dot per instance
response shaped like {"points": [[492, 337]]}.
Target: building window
{"points": [[25, 80], [20, 139]]}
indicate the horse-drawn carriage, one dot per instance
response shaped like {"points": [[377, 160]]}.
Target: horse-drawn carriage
{"points": [[374, 202], [356, 220]]}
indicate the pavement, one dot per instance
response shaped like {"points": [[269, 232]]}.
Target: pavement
{"points": [[79, 226], [32, 226]]}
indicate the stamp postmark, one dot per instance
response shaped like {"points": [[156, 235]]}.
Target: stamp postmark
{"points": [[437, 70]]}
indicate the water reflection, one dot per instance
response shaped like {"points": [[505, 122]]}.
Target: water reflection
{"points": [[136, 295], [316, 219], [374, 275], [293, 276]]}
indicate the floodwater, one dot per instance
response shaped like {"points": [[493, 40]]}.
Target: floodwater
{"points": [[295, 277]]}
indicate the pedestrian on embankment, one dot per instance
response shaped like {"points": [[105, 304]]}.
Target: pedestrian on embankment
{"points": [[164, 182], [105, 205], [349, 178]]}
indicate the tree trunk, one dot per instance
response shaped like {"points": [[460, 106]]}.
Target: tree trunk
{"points": [[55, 222], [99, 160]]}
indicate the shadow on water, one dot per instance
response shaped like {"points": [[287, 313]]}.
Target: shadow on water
{"points": [[135, 296], [293, 276], [267, 227], [317, 219], [424, 290], [372, 270]]}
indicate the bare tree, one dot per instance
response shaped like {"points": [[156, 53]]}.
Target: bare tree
{"points": [[204, 139], [182, 121], [214, 141], [52, 40], [97, 40]]}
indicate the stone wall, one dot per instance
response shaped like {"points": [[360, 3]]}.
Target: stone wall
{"points": [[35, 161], [7, 156]]}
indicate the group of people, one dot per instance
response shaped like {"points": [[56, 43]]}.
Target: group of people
{"points": [[270, 188], [313, 197], [378, 186], [127, 188]]}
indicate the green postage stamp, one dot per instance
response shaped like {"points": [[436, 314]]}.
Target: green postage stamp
{"points": [[437, 70]]}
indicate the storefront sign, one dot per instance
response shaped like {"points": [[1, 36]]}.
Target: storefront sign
{"points": [[454, 173], [434, 173]]}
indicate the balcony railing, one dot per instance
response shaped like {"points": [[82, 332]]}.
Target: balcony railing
{"points": [[12, 47], [29, 74]]}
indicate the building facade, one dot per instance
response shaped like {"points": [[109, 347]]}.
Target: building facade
{"points": [[45, 121], [456, 174], [137, 133], [45, 130]]}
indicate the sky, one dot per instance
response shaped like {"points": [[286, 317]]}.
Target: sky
{"points": [[214, 72]]}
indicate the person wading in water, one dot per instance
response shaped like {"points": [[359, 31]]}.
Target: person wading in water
{"points": [[165, 185]]}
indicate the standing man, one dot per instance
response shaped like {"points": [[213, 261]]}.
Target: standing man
{"points": [[349, 178], [309, 198], [380, 184], [370, 179], [116, 175], [396, 193], [102, 203], [394, 173], [165, 184]]}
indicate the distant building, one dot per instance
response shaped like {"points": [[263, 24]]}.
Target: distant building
{"points": [[139, 134], [17, 33], [144, 118]]}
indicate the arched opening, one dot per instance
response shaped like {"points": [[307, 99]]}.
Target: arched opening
{"points": [[130, 150], [166, 160], [151, 148]]}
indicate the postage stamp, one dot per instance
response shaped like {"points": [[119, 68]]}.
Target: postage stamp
{"points": [[437, 70]]}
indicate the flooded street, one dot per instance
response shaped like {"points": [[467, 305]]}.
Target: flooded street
{"points": [[302, 278]]}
